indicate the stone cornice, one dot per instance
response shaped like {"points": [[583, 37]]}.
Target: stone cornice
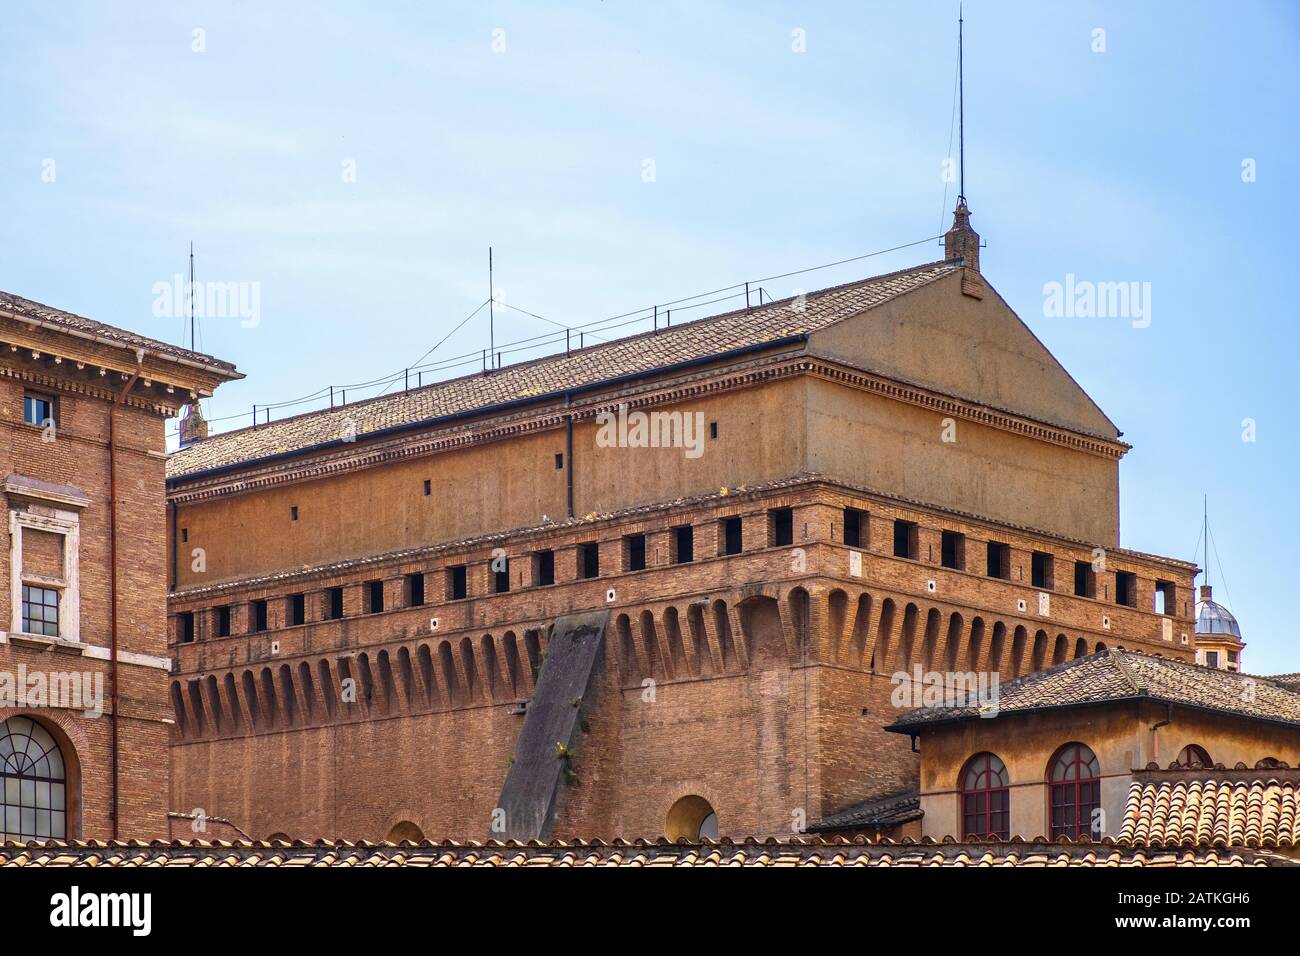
{"points": [[68, 383], [368, 455]]}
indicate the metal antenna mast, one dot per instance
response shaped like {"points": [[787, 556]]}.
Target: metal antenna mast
{"points": [[961, 112], [492, 342], [192, 348]]}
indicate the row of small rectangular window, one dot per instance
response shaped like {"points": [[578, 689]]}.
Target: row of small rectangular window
{"points": [[682, 551], [952, 554]]}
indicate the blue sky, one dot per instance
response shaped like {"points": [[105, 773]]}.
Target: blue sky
{"points": [[1122, 165]]}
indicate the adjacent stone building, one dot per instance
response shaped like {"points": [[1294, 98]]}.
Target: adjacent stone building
{"points": [[740, 529], [83, 651]]}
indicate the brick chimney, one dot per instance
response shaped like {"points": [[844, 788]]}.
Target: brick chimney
{"points": [[1206, 592], [193, 426], [961, 241]]}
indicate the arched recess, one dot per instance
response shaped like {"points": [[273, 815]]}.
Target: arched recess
{"points": [[691, 818], [760, 622], [405, 830]]}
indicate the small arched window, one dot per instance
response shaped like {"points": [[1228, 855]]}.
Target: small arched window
{"points": [[1075, 782], [33, 786], [691, 818], [1194, 756], [985, 798]]}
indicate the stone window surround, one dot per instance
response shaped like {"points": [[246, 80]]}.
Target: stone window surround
{"points": [[68, 525]]}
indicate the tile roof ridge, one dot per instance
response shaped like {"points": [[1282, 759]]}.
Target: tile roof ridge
{"points": [[1139, 686]]}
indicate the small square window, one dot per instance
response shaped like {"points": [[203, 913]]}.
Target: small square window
{"points": [[40, 611], [780, 527], [634, 552], [38, 409]]}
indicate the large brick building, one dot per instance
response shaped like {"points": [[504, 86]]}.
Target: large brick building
{"points": [[494, 606], [83, 652]]}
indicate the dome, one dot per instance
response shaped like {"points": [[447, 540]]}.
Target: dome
{"points": [[1212, 618]]}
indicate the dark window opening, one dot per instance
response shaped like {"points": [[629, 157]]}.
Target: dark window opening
{"points": [[1212, 659], [428, 487], [732, 540], [780, 526], [1126, 588], [544, 567], [374, 597], [334, 597], [223, 622], [415, 589], [186, 630], [293, 512], [185, 534], [1165, 600], [683, 544], [1085, 582], [38, 409], [589, 560], [999, 560], [457, 582], [501, 579], [906, 539], [559, 460], [634, 552], [259, 616], [952, 547], [1043, 570], [854, 523], [40, 611], [713, 429], [297, 609]]}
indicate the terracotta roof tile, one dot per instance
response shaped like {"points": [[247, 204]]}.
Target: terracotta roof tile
{"points": [[1193, 808], [632, 356], [1113, 675], [747, 853]]}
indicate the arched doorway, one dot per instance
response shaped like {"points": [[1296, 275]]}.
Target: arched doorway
{"points": [[33, 783], [691, 818], [405, 830]]}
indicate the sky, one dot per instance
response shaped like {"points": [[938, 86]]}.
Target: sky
{"points": [[347, 166]]}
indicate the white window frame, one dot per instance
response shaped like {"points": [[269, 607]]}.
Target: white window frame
{"points": [[66, 524]]}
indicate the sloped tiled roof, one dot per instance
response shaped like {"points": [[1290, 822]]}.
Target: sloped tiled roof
{"points": [[635, 355], [1286, 680], [1188, 807], [749, 853], [1113, 675], [71, 322], [873, 814]]}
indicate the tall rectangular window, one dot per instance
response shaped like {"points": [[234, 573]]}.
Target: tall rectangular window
{"points": [[906, 539], [780, 527], [1043, 570], [374, 597], [185, 627], [334, 599], [1165, 599], [415, 589], [855, 522], [683, 544], [544, 567], [733, 541], [999, 560], [457, 582], [223, 621], [634, 552], [501, 579], [1085, 581], [589, 560], [1126, 588], [297, 609], [953, 550], [37, 410], [258, 616]]}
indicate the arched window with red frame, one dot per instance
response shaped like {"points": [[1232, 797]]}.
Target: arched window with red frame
{"points": [[1074, 778], [985, 798], [1194, 756]]}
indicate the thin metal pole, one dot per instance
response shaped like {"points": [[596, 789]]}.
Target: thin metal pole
{"points": [[961, 110], [492, 343]]}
